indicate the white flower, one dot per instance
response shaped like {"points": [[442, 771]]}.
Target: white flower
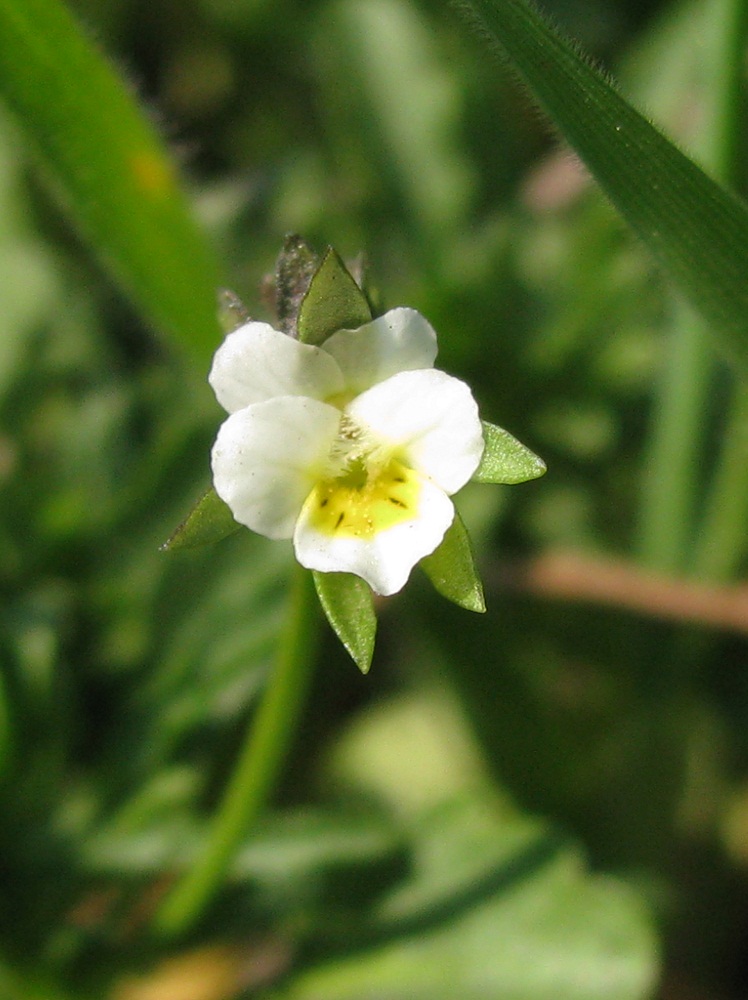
{"points": [[352, 448]]}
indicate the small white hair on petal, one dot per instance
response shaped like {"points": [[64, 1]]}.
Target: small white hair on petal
{"points": [[256, 363]]}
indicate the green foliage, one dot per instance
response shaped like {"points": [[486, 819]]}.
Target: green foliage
{"points": [[488, 893], [696, 229], [108, 166]]}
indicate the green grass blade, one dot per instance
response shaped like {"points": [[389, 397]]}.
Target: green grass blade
{"points": [[696, 229], [108, 166]]}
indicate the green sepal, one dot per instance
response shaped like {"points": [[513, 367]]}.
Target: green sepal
{"points": [[505, 460], [232, 313], [209, 521], [332, 302], [349, 606], [452, 570], [297, 264]]}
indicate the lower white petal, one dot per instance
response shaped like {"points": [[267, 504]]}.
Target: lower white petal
{"points": [[267, 458], [384, 557], [401, 340]]}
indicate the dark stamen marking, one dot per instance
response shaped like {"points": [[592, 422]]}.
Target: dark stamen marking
{"points": [[339, 521], [397, 503], [325, 502], [398, 479]]}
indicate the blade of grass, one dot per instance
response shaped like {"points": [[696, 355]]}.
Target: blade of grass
{"points": [[697, 230], [721, 539], [108, 166], [673, 469]]}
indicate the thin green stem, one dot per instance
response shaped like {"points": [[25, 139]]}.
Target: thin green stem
{"points": [[720, 546], [670, 486], [672, 467], [268, 738]]}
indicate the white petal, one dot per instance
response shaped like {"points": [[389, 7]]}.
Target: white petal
{"points": [[401, 340], [431, 418], [256, 362], [267, 458], [386, 558]]}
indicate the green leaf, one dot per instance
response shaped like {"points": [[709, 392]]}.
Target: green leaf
{"points": [[496, 909], [333, 302], [349, 607], [505, 460], [209, 521], [696, 229], [495, 904], [108, 166], [153, 832], [452, 570]]}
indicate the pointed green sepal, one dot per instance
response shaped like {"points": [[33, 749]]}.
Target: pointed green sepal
{"points": [[505, 460], [209, 521], [333, 302], [232, 313], [297, 265], [452, 570], [348, 604]]}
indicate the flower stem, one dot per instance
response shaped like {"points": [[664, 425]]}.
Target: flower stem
{"points": [[268, 738]]}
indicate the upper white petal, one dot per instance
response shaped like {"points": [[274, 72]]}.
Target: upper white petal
{"points": [[256, 362], [432, 418], [267, 458], [399, 341], [386, 559]]}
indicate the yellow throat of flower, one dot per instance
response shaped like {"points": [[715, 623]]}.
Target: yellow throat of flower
{"points": [[367, 497]]}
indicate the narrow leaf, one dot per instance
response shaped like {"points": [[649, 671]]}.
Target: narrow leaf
{"points": [[697, 230], [349, 607], [209, 521], [108, 166], [333, 302], [452, 570], [505, 459]]}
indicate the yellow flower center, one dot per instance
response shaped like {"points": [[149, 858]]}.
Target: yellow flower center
{"points": [[367, 498]]}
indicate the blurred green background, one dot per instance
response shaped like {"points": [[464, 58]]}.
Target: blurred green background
{"points": [[548, 801]]}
